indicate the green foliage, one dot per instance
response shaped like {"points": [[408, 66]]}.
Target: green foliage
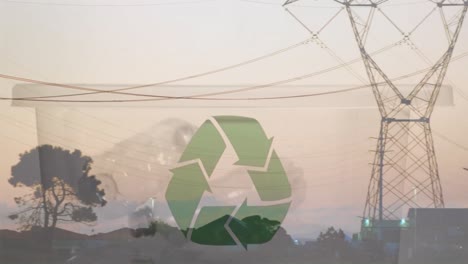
{"points": [[250, 230]]}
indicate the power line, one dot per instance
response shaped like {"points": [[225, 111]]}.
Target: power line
{"points": [[316, 38], [280, 4], [194, 97], [164, 97], [205, 98], [173, 3], [121, 90], [417, 50], [106, 140], [331, 6], [460, 146], [137, 172], [137, 175]]}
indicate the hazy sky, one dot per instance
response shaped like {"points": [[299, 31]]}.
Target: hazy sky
{"points": [[152, 41]]}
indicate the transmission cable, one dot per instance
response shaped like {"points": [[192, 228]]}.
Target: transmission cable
{"points": [[164, 97], [199, 97]]}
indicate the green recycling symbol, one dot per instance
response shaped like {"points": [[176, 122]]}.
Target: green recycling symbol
{"points": [[243, 224]]}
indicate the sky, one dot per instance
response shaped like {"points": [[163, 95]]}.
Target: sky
{"points": [[324, 141]]}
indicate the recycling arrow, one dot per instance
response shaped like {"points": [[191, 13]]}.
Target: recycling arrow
{"points": [[273, 184], [224, 225], [210, 227], [248, 139], [184, 193], [206, 145], [258, 223]]}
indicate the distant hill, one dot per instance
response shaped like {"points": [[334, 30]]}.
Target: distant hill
{"points": [[36, 233], [9, 234], [119, 234], [62, 234]]}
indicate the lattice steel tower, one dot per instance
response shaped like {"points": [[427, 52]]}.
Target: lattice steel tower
{"points": [[405, 153]]}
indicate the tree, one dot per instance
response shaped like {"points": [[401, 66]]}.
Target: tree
{"points": [[61, 188], [154, 227], [333, 242]]}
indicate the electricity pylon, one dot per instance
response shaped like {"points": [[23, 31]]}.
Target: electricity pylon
{"points": [[405, 171]]}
